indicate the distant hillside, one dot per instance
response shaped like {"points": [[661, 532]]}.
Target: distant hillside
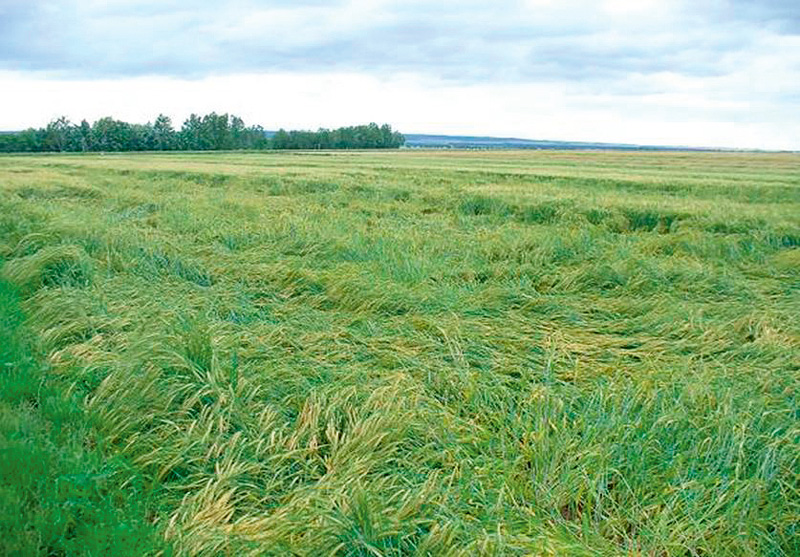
{"points": [[479, 142]]}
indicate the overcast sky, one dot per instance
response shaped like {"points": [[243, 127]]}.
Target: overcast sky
{"points": [[700, 72]]}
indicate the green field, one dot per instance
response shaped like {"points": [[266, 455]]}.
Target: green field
{"points": [[400, 353]]}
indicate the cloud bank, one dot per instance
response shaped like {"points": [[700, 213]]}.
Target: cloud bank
{"points": [[725, 61]]}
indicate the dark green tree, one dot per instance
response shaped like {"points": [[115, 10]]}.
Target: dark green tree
{"points": [[58, 135], [191, 133], [164, 136], [85, 136], [112, 135]]}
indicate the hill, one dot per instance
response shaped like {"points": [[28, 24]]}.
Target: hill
{"points": [[427, 141]]}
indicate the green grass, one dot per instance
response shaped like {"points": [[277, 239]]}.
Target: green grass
{"points": [[407, 353], [59, 493]]}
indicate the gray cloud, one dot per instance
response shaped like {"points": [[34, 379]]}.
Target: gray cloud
{"points": [[781, 15], [466, 42]]}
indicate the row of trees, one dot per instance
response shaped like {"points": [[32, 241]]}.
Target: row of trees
{"points": [[354, 137], [210, 132]]}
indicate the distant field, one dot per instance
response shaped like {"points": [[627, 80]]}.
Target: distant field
{"points": [[401, 353]]}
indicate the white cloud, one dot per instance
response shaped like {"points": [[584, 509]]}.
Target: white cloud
{"points": [[411, 103]]}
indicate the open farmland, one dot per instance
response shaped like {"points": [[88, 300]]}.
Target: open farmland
{"points": [[407, 353]]}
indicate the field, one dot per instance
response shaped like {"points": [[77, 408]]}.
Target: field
{"points": [[403, 353]]}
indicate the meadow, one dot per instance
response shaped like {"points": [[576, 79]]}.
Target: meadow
{"points": [[400, 353]]}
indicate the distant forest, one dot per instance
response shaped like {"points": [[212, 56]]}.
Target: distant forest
{"points": [[212, 132]]}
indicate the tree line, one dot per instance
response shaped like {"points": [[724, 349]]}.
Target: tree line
{"points": [[212, 132], [353, 137]]}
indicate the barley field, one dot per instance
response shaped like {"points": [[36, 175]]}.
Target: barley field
{"points": [[400, 353]]}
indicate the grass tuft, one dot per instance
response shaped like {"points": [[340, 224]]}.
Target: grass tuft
{"points": [[482, 205], [56, 266], [157, 262]]}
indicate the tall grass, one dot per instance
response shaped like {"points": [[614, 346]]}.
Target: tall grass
{"points": [[411, 353], [60, 493]]}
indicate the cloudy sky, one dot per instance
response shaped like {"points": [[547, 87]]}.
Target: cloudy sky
{"points": [[698, 72]]}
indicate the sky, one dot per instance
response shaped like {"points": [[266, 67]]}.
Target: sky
{"points": [[720, 73]]}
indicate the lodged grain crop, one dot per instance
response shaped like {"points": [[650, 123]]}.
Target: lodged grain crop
{"points": [[410, 353]]}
